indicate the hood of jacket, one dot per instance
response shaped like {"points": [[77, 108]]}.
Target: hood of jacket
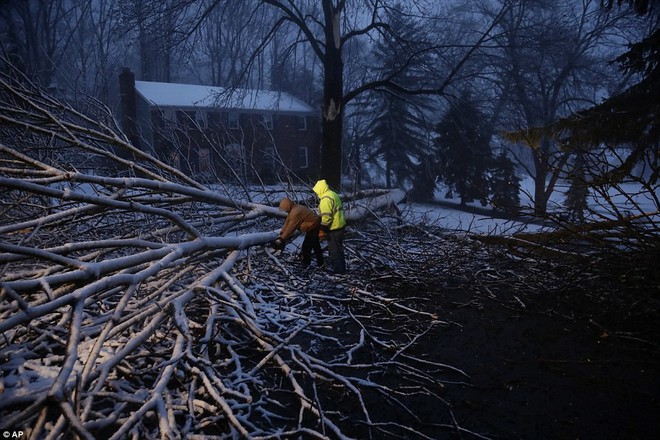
{"points": [[321, 187], [286, 205]]}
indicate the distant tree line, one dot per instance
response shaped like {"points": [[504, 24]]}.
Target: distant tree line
{"points": [[411, 93]]}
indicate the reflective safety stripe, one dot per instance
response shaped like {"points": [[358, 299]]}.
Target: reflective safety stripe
{"points": [[326, 216], [331, 212]]}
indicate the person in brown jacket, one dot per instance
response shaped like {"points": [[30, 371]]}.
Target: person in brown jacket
{"points": [[304, 219]]}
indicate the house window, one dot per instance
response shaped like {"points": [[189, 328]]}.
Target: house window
{"points": [[269, 159], [168, 114], [233, 120], [303, 157], [204, 160], [267, 120], [302, 123], [201, 118], [214, 120], [234, 154], [175, 160], [233, 160]]}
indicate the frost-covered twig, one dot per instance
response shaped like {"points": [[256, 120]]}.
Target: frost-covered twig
{"points": [[137, 302]]}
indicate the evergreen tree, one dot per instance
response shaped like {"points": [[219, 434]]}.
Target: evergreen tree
{"points": [[464, 154], [504, 184], [424, 179], [398, 133], [632, 116], [576, 196]]}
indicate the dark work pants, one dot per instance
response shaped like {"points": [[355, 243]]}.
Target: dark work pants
{"points": [[311, 242], [336, 258]]}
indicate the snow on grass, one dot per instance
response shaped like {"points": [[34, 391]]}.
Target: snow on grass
{"points": [[627, 197], [458, 220]]}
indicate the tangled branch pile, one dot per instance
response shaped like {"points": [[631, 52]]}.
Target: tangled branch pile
{"points": [[136, 302], [148, 305]]}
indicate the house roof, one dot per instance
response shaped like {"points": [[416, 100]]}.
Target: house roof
{"points": [[197, 96]]}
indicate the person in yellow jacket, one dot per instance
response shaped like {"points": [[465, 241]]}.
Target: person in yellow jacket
{"points": [[332, 225]]}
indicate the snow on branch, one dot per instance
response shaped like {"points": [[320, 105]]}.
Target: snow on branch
{"points": [[136, 302]]}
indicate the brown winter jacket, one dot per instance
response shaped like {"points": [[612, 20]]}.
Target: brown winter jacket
{"points": [[300, 217]]}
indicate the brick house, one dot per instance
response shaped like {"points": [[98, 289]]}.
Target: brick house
{"points": [[216, 134]]}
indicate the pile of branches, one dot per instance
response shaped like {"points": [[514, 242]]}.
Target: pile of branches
{"points": [[136, 302]]}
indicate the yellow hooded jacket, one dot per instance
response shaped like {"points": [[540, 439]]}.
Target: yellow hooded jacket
{"points": [[330, 207]]}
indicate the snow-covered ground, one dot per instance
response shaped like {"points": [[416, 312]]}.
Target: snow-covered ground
{"points": [[457, 220], [631, 200]]}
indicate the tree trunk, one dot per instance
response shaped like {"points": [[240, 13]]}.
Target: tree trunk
{"points": [[333, 93], [540, 193]]}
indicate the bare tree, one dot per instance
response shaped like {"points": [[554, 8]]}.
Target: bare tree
{"points": [[137, 302], [153, 26], [328, 28], [147, 305], [554, 56], [219, 47], [39, 34], [96, 52], [73, 46]]}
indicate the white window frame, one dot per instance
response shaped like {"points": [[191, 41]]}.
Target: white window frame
{"points": [[303, 157], [169, 114], [202, 119], [302, 123], [269, 156], [235, 151]]}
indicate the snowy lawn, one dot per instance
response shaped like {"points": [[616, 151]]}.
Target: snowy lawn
{"points": [[632, 199]]}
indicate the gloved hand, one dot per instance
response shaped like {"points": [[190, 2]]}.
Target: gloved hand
{"points": [[321, 234], [278, 244]]}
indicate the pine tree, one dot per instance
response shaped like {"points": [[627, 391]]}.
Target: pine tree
{"points": [[504, 184], [576, 196], [398, 133], [464, 154], [633, 115], [424, 179]]}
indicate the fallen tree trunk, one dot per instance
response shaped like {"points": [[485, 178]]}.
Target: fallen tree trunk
{"points": [[149, 305]]}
